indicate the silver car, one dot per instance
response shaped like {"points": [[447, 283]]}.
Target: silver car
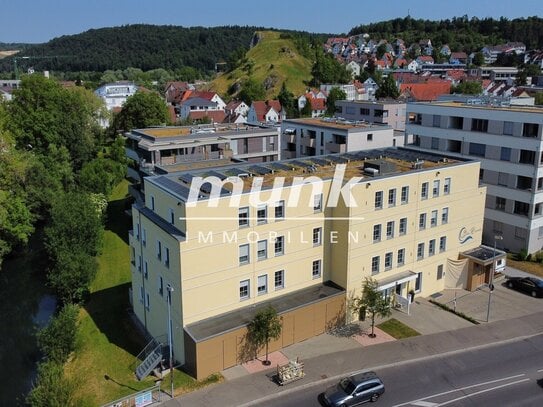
{"points": [[353, 390]]}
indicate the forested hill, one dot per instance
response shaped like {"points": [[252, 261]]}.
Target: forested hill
{"points": [[141, 46], [460, 33]]}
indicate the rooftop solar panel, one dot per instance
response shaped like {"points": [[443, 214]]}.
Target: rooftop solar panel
{"points": [[217, 174], [236, 171], [302, 164], [173, 186], [320, 161], [260, 170], [281, 167], [338, 159], [186, 178]]}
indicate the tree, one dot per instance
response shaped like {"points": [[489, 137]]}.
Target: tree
{"points": [[381, 49], [468, 88], [52, 388], [57, 339], [388, 88], [287, 101], [478, 59], [144, 109], [327, 69], [539, 98], [334, 94], [252, 90], [264, 327], [373, 302], [101, 175], [529, 70]]}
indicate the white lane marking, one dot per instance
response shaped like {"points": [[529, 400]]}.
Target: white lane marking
{"points": [[460, 389], [424, 404], [482, 391], [540, 370]]}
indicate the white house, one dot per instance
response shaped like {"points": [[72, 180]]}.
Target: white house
{"points": [[115, 94], [354, 68], [269, 111]]}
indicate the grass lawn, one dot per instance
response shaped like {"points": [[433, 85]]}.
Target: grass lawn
{"points": [[397, 329], [527, 266], [107, 343]]}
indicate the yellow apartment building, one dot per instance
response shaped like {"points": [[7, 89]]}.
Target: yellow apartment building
{"points": [[300, 235]]}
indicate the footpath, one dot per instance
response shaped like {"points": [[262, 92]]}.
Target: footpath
{"points": [[322, 368]]}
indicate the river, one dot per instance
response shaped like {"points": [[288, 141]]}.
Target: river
{"points": [[25, 305]]}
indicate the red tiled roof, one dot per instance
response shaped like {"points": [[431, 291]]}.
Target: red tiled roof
{"points": [[318, 104], [425, 58], [459, 55], [216, 116], [202, 94], [456, 74], [262, 107], [233, 105], [425, 92]]}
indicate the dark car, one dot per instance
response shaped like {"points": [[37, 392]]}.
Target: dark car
{"points": [[353, 390], [529, 285]]}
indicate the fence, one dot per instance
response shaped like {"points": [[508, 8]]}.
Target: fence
{"points": [[142, 398]]}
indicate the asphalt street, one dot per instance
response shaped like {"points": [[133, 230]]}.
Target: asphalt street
{"points": [[507, 374]]}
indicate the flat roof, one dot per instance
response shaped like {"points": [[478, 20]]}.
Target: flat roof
{"points": [[208, 130], [397, 160], [195, 165], [220, 324], [339, 123], [485, 106], [484, 253]]}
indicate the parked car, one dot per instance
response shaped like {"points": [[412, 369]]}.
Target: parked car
{"points": [[353, 390], [529, 285]]}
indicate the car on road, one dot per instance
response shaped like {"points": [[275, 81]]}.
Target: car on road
{"points": [[530, 285], [353, 390]]}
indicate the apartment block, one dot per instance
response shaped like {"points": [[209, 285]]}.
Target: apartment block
{"points": [[299, 243], [169, 149], [389, 112], [319, 136], [508, 142]]}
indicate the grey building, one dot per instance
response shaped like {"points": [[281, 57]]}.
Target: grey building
{"points": [[508, 142]]}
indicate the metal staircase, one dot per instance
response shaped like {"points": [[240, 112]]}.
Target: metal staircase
{"points": [[151, 356]]}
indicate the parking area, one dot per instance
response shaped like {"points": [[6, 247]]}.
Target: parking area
{"points": [[505, 303]]}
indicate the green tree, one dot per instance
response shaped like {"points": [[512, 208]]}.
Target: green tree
{"points": [[388, 88], [265, 326], [288, 102], [144, 109], [71, 276], [306, 110], [381, 49], [478, 59], [529, 70], [372, 302], [52, 388], [334, 95], [252, 90], [468, 88], [101, 175], [539, 98], [57, 339], [16, 222], [327, 69]]}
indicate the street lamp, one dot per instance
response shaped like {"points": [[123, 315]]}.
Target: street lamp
{"points": [[170, 290], [491, 279]]}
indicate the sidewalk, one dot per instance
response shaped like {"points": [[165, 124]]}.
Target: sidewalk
{"points": [[259, 386]]}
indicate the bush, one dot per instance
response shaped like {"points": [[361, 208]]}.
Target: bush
{"points": [[51, 388], [71, 275], [523, 255], [57, 339]]}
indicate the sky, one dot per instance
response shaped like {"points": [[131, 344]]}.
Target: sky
{"points": [[35, 21]]}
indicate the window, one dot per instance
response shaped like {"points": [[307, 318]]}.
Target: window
{"points": [[317, 203], [440, 272], [479, 125], [433, 218], [243, 217], [445, 216], [280, 210], [158, 250], [403, 226], [167, 257], [502, 178], [376, 233], [424, 191], [262, 249], [508, 128], [316, 269], [147, 302], [527, 157], [524, 183], [317, 232], [375, 265], [418, 283], [390, 229], [279, 279], [144, 237], [521, 208], [422, 221], [505, 154], [388, 261], [160, 285], [172, 216], [279, 245], [500, 203], [392, 197], [447, 186], [244, 254], [369, 137], [405, 195], [420, 251], [244, 289], [262, 285], [142, 294], [138, 263], [146, 270], [520, 233], [379, 200], [437, 121], [442, 244], [477, 149], [497, 227], [435, 143], [435, 189], [530, 129], [137, 229], [456, 122], [152, 203], [401, 257], [262, 214], [432, 247]]}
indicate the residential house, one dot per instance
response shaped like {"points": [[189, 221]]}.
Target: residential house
{"points": [[349, 89], [426, 47], [236, 112], [507, 140], [174, 91], [115, 94], [317, 99], [365, 90], [269, 111], [445, 51], [384, 111], [424, 91], [354, 68], [414, 227], [197, 108], [490, 53], [458, 58]]}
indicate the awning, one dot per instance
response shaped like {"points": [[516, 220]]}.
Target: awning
{"points": [[396, 279]]}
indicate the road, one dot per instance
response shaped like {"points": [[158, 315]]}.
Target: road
{"points": [[509, 374]]}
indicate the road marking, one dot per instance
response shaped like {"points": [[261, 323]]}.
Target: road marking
{"points": [[482, 391], [424, 404], [461, 388], [540, 370]]}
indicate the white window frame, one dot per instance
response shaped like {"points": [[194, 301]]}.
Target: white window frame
{"points": [[317, 236], [259, 219], [278, 239], [404, 198], [243, 217], [400, 259], [317, 203], [435, 188], [389, 258], [424, 191], [279, 205], [242, 248], [377, 233], [392, 197], [378, 200], [442, 244], [390, 229], [445, 216], [262, 250], [422, 221], [281, 274], [244, 284], [420, 251], [403, 225], [433, 218], [447, 186], [262, 284], [375, 265], [316, 268]]}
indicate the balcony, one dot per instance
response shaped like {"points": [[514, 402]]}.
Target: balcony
{"points": [[336, 148]]}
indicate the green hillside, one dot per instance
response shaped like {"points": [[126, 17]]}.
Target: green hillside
{"points": [[275, 60]]}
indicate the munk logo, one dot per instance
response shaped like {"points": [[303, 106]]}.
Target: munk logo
{"points": [[465, 234]]}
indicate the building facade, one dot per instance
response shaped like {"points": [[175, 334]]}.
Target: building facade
{"points": [[508, 142], [298, 244], [390, 112], [319, 136]]}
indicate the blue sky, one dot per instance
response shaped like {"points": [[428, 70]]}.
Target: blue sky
{"points": [[42, 20]]}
